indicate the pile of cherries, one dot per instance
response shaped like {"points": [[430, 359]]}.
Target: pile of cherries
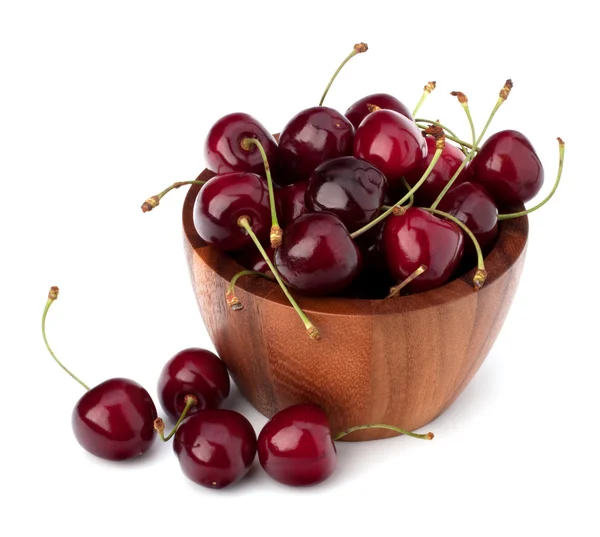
{"points": [[363, 204], [117, 420]]}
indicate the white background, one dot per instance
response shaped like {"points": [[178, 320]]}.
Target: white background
{"points": [[106, 103]]}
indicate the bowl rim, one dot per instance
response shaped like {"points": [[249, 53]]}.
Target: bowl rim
{"points": [[510, 246]]}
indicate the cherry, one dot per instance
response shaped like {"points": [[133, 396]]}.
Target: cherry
{"points": [[360, 109], [196, 372], [223, 200], [318, 256], [391, 142], [419, 238], [509, 168], [311, 137], [215, 447], [449, 161], [296, 447], [290, 200], [223, 147], [348, 187], [472, 205], [115, 419]]}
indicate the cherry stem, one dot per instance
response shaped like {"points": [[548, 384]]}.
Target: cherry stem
{"points": [[159, 425], [276, 232], [426, 436], [450, 135], [358, 48], [480, 274], [439, 148], [462, 99], [52, 296], [153, 201], [561, 157], [311, 329], [411, 200], [429, 87], [395, 291], [504, 93], [232, 300]]}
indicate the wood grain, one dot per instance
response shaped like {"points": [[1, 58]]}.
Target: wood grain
{"points": [[401, 361]]}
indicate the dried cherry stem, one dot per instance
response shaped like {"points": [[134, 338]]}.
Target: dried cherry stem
{"points": [[276, 232], [439, 144], [358, 48], [395, 291], [311, 329], [52, 296], [159, 424], [480, 274], [153, 201], [429, 87], [504, 93], [426, 436], [232, 300], [561, 158]]}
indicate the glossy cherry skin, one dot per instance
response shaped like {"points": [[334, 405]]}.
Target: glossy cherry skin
{"points": [[509, 169], [224, 199], [252, 259], [391, 142], [296, 448], [472, 205], [360, 109], [290, 202], [115, 420], [196, 372], [318, 256], [348, 187], [223, 150], [312, 136], [215, 447], [420, 238], [446, 166]]}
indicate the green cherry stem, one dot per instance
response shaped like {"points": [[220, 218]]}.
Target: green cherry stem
{"points": [[358, 48], [439, 144], [561, 157], [232, 300], [504, 93], [426, 436], [411, 200], [395, 291], [159, 424], [450, 135], [52, 296], [276, 232], [480, 274], [153, 201], [462, 99], [427, 89], [311, 329]]}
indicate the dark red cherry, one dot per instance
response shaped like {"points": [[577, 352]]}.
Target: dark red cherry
{"points": [[360, 109], [318, 256], [224, 199], [419, 238], [215, 447], [296, 448], [449, 161], [290, 202], [115, 420], [252, 259], [196, 372], [391, 142], [311, 137], [223, 150], [472, 205], [348, 187], [509, 169]]}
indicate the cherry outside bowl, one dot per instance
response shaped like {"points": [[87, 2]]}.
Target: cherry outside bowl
{"points": [[401, 361]]}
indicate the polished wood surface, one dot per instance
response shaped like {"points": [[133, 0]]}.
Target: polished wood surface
{"points": [[401, 361]]}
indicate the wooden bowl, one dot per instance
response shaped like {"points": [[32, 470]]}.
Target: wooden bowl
{"points": [[401, 361]]}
